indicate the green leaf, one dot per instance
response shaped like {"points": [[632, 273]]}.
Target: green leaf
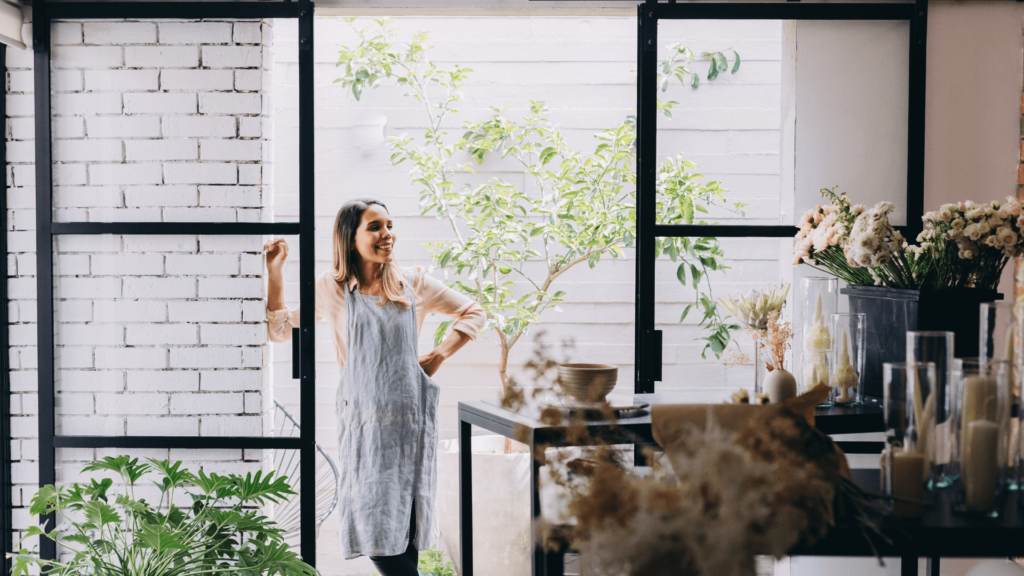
{"points": [[681, 274], [723, 64], [685, 312], [736, 64], [713, 71], [100, 513], [159, 537], [694, 80], [547, 154]]}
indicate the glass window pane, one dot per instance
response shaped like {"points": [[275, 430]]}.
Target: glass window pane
{"points": [[811, 105], [162, 335], [691, 370], [162, 121]]}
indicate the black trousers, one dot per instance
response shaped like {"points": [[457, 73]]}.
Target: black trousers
{"points": [[405, 563]]}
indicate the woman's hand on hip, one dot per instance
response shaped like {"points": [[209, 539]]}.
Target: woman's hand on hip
{"points": [[431, 362]]}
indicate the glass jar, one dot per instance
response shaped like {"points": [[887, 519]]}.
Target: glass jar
{"points": [[1001, 336], [810, 370], [905, 469], [819, 299], [846, 372], [981, 423], [933, 405]]}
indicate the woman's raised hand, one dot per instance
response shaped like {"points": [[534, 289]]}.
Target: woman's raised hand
{"points": [[277, 253]]}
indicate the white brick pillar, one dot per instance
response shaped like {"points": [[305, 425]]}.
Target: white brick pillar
{"points": [[153, 121]]}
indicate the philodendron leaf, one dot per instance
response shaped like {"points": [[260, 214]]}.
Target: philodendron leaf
{"points": [[159, 538], [100, 513]]}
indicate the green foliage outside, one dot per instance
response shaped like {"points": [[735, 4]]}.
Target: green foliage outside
{"points": [[108, 532], [432, 564], [511, 245]]}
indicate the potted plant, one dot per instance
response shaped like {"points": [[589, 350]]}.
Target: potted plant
{"points": [[935, 285], [106, 531]]}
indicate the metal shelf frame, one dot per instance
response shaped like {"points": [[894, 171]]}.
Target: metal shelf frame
{"points": [[43, 14], [648, 344]]}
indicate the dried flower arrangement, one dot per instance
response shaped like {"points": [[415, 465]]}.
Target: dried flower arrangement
{"points": [[727, 487], [752, 308], [775, 341]]}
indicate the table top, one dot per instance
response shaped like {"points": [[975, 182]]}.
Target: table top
{"points": [[637, 428], [940, 532]]}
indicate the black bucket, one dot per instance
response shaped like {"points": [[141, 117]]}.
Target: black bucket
{"points": [[891, 312]]}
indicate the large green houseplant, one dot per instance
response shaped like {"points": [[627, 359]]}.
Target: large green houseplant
{"points": [[106, 532], [512, 243]]}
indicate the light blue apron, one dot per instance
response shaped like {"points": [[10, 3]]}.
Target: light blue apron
{"points": [[387, 439]]}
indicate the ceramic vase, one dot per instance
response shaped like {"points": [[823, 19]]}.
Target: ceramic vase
{"points": [[780, 385]]}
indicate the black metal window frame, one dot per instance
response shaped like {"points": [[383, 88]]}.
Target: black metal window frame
{"points": [[648, 345], [43, 14]]}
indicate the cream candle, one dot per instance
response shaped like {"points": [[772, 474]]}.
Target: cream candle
{"points": [[980, 466], [818, 337], [908, 483], [979, 404], [844, 376]]}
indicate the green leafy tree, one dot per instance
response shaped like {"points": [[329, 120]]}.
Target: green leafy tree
{"points": [[107, 533], [511, 245]]}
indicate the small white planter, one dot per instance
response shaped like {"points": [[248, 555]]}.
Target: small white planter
{"points": [[779, 385]]}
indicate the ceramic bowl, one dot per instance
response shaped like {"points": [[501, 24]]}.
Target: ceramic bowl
{"points": [[588, 382]]}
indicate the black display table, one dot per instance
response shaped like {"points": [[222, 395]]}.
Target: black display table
{"points": [[939, 533]]}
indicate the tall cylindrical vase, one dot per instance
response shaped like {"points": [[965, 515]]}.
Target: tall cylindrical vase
{"points": [[933, 407], [760, 370]]}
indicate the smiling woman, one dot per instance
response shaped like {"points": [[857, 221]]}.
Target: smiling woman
{"points": [[386, 400]]}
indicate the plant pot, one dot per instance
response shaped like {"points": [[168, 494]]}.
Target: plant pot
{"points": [[891, 312], [779, 385]]}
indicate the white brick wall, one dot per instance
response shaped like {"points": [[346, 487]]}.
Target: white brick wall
{"points": [[152, 121]]}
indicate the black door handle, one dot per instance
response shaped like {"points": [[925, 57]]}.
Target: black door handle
{"points": [[296, 353]]}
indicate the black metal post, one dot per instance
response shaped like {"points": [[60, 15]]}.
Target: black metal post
{"points": [[908, 565], [307, 291], [538, 548], [915, 119], [44, 258], [648, 360], [465, 496], [6, 503]]}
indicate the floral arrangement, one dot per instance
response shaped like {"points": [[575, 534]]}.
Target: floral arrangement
{"points": [[964, 245], [752, 308], [969, 244], [776, 340]]}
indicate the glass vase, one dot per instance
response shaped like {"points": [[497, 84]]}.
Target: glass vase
{"points": [[1001, 336], [811, 369], [981, 435], [933, 405], [760, 370], [846, 372], [819, 299], [905, 468]]}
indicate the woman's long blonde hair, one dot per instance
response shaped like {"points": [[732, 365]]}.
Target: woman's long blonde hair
{"points": [[346, 223]]}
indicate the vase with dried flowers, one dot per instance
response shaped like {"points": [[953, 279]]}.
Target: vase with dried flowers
{"points": [[751, 309], [779, 384]]}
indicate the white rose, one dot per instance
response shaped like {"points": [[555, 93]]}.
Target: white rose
{"points": [[1006, 236]]}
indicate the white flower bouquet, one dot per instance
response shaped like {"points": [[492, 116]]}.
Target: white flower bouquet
{"points": [[964, 245], [968, 245], [855, 244]]}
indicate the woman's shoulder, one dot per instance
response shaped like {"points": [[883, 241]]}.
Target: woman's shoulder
{"points": [[415, 275]]}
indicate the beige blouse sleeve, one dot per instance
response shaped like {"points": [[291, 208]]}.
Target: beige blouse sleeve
{"points": [[281, 322], [436, 297]]}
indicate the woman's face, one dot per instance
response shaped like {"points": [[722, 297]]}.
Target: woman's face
{"points": [[374, 240]]}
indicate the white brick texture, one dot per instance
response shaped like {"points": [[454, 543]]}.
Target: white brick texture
{"points": [[150, 335]]}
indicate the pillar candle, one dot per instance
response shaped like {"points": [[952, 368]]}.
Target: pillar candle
{"points": [[980, 467], [907, 483], [979, 404]]}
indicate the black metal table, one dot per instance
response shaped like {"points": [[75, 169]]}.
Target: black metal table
{"points": [[938, 533]]}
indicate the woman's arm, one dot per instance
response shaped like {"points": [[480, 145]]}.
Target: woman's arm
{"points": [[432, 360], [468, 315], [277, 253]]}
